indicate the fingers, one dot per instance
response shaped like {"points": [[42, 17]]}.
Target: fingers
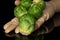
{"points": [[40, 21], [6, 25], [17, 2], [17, 30], [10, 25], [10, 28]]}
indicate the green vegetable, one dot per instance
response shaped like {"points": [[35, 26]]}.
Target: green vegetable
{"points": [[26, 12], [20, 11], [26, 3], [26, 24], [37, 8]]}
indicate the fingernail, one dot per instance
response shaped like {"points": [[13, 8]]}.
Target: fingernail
{"points": [[17, 30]]}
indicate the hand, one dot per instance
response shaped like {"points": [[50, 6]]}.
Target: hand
{"points": [[48, 12]]}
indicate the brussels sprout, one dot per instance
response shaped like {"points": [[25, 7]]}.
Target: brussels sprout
{"points": [[26, 24], [26, 3], [42, 5], [19, 11], [37, 8]]}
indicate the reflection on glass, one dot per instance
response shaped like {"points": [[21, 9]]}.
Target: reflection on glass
{"points": [[30, 37]]}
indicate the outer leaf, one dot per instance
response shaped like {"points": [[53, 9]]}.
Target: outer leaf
{"points": [[26, 3], [26, 24], [37, 8], [20, 11]]}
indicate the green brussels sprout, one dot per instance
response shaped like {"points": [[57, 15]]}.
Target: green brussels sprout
{"points": [[42, 5], [20, 11], [37, 8], [26, 3], [26, 24]]}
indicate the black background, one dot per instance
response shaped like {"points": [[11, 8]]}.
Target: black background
{"points": [[6, 14]]}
